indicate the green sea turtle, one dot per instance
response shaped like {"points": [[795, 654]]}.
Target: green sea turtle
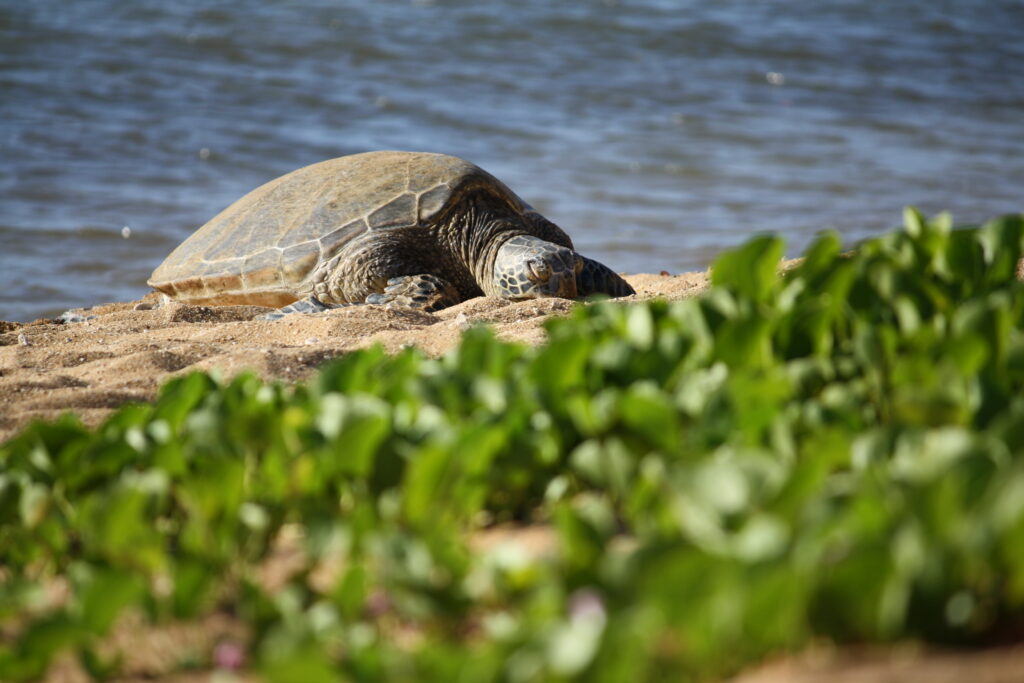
{"points": [[418, 230]]}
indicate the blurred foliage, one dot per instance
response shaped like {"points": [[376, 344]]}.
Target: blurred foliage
{"points": [[836, 452]]}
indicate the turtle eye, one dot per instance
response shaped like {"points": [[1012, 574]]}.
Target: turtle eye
{"points": [[539, 269]]}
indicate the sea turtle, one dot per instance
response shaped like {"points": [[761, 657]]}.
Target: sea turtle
{"points": [[409, 229]]}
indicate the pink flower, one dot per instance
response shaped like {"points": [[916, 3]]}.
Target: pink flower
{"points": [[228, 655], [586, 605]]}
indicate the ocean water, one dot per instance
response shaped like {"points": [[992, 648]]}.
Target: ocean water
{"points": [[656, 133]]}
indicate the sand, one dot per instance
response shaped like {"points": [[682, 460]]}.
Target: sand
{"points": [[128, 350]]}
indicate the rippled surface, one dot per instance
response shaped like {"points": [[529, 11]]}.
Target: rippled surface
{"points": [[656, 132]]}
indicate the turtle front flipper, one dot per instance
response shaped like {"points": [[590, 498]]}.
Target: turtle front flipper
{"points": [[308, 305], [597, 278], [423, 292]]}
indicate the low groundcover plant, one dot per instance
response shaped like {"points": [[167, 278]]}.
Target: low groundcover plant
{"points": [[833, 452]]}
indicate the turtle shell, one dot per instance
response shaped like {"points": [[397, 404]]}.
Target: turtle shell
{"points": [[264, 248]]}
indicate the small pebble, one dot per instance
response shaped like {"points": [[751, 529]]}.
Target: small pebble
{"points": [[143, 307], [312, 340], [163, 585], [23, 340], [74, 317]]}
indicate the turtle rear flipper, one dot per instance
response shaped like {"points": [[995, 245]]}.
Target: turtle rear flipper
{"points": [[597, 278], [308, 305], [424, 292]]}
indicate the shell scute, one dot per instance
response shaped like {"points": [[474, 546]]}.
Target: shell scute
{"points": [[221, 241], [299, 261], [311, 225], [398, 213], [333, 241], [262, 270], [432, 201]]}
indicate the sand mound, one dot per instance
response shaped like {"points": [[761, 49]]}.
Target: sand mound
{"points": [[127, 350]]}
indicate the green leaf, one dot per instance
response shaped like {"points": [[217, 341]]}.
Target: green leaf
{"points": [[913, 222], [309, 664], [751, 269], [356, 425], [652, 413], [105, 595]]}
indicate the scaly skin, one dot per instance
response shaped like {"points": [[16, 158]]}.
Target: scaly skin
{"points": [[597, 278]]}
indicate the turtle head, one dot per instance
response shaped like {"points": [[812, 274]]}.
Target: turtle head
{"points": [[530, 268]]}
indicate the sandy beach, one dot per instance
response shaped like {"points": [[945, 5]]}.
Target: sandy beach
{"points": [[129, 349]]}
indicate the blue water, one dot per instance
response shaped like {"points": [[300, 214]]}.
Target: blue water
{"points": [[656, 133]]}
